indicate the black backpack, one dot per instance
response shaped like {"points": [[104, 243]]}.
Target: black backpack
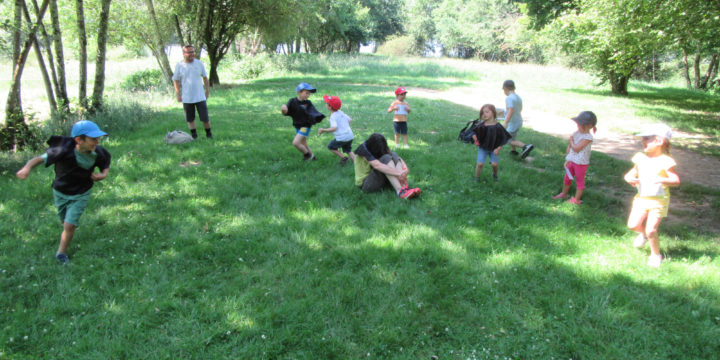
{"points": [[467, 132]]}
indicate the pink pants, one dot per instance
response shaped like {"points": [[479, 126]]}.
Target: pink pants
{"points": [[578, 172]]}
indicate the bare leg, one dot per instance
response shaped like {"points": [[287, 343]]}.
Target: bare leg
{"points": [[651, 230], [206, 125], [338, 153], [396, 140], [192, 125], [405, 139], [578, 194], [494, 169], [352, 156], [66, 237], [478, 169], [300, 142], [394, 181]]}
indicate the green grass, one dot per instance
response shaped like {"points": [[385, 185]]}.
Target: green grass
{"points": [[255, 254]]}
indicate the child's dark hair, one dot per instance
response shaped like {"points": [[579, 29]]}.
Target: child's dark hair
{"points": [[377, 145], [509, 84], [491, 107]]}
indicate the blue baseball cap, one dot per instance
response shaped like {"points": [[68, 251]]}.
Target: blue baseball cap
{"points": [[87, 128], [305, 86]]}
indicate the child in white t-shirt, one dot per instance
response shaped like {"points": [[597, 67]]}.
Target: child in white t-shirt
{"points": [[577, 159], [340, 126]]}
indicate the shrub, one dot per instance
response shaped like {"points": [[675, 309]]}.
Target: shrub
{"points": [[397, 46], [144, 80]]}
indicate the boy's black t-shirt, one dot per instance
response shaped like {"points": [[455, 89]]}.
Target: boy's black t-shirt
{"points": [[71, 178], [303, 112]]}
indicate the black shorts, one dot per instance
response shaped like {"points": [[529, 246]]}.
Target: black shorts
{"points": [[345, 145], [400, 127], [201, 109]]}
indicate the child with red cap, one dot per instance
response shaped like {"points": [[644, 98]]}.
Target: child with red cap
{"points": [[340, 127], [401, 109]]}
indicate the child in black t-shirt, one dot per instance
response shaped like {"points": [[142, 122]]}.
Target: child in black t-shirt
{"points": [[304, 116], [75, 159]]}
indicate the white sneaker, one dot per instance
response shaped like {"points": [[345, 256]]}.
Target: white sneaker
{"points": [[654, 261], [406, 146], [640, 241]]}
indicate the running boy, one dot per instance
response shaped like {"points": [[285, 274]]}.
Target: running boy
{"points": [[75, 159], [401, 109], [340, 126], [652, 174], [304, 116], [513, 119]]}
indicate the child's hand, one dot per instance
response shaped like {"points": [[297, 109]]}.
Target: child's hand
{"points": [[320, 131], [284, 109], [476, 142], [497, 151], [98, 176], [23, 173]]}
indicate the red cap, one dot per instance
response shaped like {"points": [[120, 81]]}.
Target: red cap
{"points": [[400, 90], [333, 101]]}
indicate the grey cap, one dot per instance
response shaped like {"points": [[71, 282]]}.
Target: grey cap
{"points": [[586, 118]]}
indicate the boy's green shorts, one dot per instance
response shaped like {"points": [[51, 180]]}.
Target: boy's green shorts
{"points": [[71, 207]]}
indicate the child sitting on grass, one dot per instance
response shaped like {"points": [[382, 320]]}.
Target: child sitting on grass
{"points": [[653, 173], [489, 136], [401, 109], [577, 158], [340, 126], [304, 116], [75, 159]]}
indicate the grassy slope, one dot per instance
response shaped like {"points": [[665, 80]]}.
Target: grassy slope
{"points": [[255, 254]]}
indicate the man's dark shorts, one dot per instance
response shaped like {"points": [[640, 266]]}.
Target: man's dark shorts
{"points": [[345, 145], [201, 109], [377, 180]]}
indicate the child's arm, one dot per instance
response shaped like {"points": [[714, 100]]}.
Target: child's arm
{"points": [[284, 109], [407, 107], [330, 129], [392, 107], [508, 115], [497, 150], [25, 171], [475, 140], [632, 176], [579, 146], [100, 176], [672, 178]]}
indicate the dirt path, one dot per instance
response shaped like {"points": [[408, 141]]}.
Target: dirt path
{"points": [[692, 167]]}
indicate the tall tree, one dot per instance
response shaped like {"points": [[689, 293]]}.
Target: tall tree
{"points": [[82, 53], [61, 85], [41, 63], [11, 135], [158, 44], [99, 83]]}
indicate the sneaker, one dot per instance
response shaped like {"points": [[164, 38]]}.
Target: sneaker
{"points": [[209, 136], [526, 150], [406, 146], [654, 261], [513, 152], [495, 177], [560, 196], [407, 193], [640, 241], [309, 157], [575, 201], [62, 258], [344, 161]]}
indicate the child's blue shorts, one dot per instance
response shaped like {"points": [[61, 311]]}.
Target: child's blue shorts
{"points": [[483, 154], [304, 131]]}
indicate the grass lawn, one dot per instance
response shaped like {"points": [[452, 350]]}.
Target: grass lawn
{"points": [[236, 248]]}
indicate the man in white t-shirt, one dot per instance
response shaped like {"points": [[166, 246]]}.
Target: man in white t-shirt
{"points": [[192, 89]]}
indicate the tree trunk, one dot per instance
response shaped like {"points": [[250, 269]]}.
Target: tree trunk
{"points": [[17, 29], [696, 69], [159, 45], [214, 61], [619, 83], [41, 64], [179, 31], [61, 87], [712, 69], [12, 134], [99, 83], [686, 70], [82, 56], [47, 44]]}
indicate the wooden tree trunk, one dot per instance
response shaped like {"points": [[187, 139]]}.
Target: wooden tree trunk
{"points": [[47, 45], [619, 83], [159, 48], [13, 132], [696, 69], [179, 31], [99, 83], [686, 70], [61, 87], [711, 71], [41, 64], [82, 56]]}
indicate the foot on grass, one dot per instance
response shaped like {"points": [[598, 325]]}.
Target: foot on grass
{"points": [[62, 258], [640, 241]]}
